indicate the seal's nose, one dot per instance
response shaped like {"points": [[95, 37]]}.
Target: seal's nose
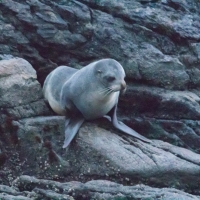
{"points": [[123, 85]]}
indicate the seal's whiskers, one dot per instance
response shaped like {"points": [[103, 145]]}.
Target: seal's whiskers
{"points": [[104, 90], [108, 92]]}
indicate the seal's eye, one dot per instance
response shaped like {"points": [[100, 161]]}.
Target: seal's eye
{"points": [[110, 78]]}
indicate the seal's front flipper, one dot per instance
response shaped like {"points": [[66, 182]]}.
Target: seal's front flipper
{"points": [[123, 127], [72, 126]]}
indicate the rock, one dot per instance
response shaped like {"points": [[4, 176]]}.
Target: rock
{"points": [[33, 188], [157, 42], [183, 133], [158, 69], [96, 189], [9, 193], [62, 25], [42, 138], [21, 97], [97, 152], [13, 73], [9, 190], [20, 91], [159, 103], [10, 197], [171, 116]]}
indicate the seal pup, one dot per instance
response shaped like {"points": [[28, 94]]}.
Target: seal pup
{"points": [[89, 93]]}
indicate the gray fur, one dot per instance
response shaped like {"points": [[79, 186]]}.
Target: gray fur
{"points": [[86, 94]]}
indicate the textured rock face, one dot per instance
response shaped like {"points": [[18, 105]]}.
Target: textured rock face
{"points": [[21, 94], [150, 38], [20, 97], [97, 152], [96, 189], [157, 42], [27, 188]]}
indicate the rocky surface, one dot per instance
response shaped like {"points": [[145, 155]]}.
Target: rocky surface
{"points": [[158, 44], [97, 152], [152, 39], [26, 187], [18, 83]]}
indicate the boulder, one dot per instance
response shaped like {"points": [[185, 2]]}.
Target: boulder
{"points": [[97, 152], [157, 42], [96, 189], [21, 94]]}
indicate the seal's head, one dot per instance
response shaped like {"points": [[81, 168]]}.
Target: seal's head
{"points": [[111, 74]]}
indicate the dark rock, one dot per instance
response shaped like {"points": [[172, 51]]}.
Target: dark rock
{"points": [[3, 158], [157, 42], [100, 153], [159, 69], [184, 133], [96, 189], [63, 34], [160, 103]]}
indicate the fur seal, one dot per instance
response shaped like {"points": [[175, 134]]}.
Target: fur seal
{"points": [[89, 93]]}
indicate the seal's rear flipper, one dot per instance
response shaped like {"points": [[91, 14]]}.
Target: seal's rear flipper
{"points": [[72, 126], [123, 127]]}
